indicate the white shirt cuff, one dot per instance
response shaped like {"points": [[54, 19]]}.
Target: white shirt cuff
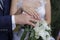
{"points": [[13, 22]]}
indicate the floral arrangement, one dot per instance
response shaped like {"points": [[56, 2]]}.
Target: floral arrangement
{"points": [[41, 30]]}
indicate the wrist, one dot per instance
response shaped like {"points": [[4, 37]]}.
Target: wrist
{"points": [[17, 19]]}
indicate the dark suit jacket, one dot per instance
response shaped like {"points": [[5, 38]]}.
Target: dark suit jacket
{"points": [[5, 22]]}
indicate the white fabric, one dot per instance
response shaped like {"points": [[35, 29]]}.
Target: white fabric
{"points": [[13, 22], [41, 9]]}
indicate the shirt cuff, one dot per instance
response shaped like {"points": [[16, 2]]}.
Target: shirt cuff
{"points": [[13, 22]]}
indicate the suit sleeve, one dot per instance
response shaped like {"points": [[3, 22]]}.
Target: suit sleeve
{"points": [[5, 23]]}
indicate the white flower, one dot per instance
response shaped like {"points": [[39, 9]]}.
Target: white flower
{"points": [[41, 29]]}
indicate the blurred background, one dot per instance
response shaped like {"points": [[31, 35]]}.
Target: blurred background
{"points": [[55, 24]]}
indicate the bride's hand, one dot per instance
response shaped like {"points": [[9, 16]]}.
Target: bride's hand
{"points": [[32, 12], [29, 7]]}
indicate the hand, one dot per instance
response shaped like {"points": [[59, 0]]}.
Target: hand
{"points": [[29, 11], [29, 6], [58, 37], [32, 12], [24, 19]]}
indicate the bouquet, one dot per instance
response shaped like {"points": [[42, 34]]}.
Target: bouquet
{"points": [[41, 30]]}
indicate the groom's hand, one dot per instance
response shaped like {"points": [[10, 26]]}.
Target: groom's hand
{"points": [[24, 19]]}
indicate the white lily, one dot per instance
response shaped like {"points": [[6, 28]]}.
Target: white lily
{"points": [[40, 30]]}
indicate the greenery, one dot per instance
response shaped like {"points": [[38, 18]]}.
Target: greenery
{"points": [[55, 5]]}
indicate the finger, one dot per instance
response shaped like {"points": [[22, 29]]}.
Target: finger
{"points": [[32, 24], [36, 15], [33, 21], [32, 12], [28, 11]]}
